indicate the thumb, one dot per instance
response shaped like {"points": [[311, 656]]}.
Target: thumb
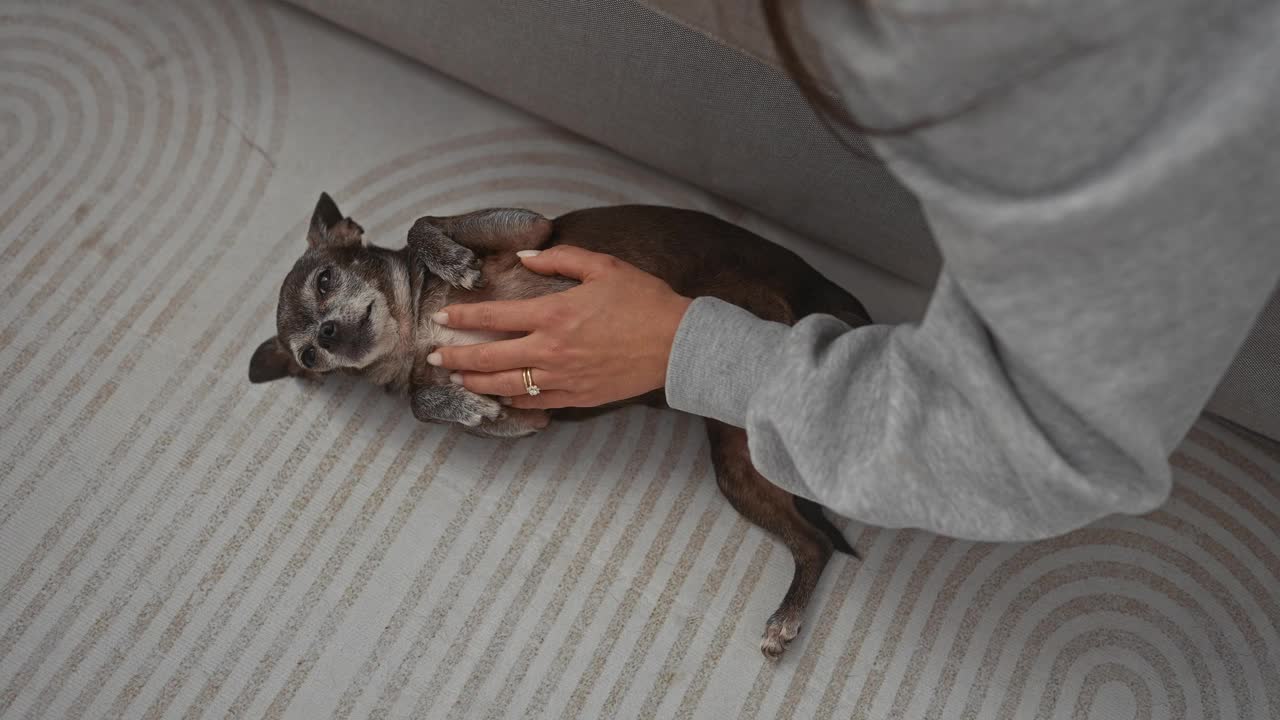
{"points": [[569, 261]]}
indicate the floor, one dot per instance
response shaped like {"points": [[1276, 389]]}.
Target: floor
{"points": [[175, 542]]}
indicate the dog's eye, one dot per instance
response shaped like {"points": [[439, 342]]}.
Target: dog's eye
{"points": [[309, 357], [322, 282]]}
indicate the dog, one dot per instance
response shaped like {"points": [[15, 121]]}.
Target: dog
{"points": [[352, 307]]}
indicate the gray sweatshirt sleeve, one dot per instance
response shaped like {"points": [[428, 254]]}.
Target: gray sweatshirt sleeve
{"points": [[1107, 205]]}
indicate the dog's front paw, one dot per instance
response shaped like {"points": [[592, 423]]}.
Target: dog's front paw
{"points": [[444, 258], [476, 409], [514, 423], [453, 404], [459, 267]]}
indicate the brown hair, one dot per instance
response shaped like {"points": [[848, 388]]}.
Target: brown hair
{"points": [[825, 103], [828, 106], [775, 17]]}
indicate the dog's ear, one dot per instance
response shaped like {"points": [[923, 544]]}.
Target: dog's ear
{"points": [[272, 362], [329, 228]]}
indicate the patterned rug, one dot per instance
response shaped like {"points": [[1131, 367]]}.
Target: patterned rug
{"points": [[175, 542]]}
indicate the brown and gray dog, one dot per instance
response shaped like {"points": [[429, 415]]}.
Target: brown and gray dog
{"points": [[361, 309]]}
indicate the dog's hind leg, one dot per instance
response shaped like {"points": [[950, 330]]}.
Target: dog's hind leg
{"points": [[773, 509], [812, 512]]}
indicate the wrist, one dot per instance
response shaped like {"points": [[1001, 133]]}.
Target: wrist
{"points": [[722, 354], [671, 320]]}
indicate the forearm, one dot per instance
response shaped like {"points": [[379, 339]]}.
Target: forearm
{"points": [[903, 426], [1109, 228], [1032, 417]]}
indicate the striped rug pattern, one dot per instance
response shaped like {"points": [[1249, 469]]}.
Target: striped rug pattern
{"points": [[175, 542]]}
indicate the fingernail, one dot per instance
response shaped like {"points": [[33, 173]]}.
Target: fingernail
{"points": [[455, 378], [440, 318], [504, 401], [529, 253], [434, 359]]}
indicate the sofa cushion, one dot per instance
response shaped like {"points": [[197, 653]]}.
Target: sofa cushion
{"points": [[650, 87]]}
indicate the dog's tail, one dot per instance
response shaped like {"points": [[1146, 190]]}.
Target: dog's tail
{"points": [[812, 512]]}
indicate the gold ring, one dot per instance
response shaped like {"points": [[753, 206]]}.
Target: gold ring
{"points": [[529, 387]]}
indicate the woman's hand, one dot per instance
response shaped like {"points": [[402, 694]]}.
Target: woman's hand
{"points": [[607, 339]]}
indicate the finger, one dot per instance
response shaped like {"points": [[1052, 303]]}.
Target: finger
{"points": [[549, 400], [508, 383], [571, 262], [485, 357], [499, 315]]}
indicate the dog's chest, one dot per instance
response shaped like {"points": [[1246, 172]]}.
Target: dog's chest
{"points": [[428, 336], [432, 335]]}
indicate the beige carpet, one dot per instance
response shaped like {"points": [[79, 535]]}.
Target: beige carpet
{"points": [[177, 543]]}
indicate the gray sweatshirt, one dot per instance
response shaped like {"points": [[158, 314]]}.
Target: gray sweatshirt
{"points": [[1105, 191]]}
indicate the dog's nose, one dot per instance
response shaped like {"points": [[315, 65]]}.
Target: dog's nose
{"points": [[328, 334]]}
